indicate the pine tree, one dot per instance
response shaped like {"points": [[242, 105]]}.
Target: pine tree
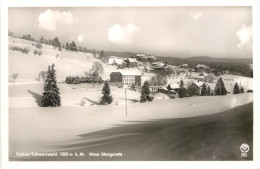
{"points": [[145, 92], [41, 40], [143, 95], [101, 54], [181, 84], [242, 90], [236, 89], [67, 47], [107, 98], [51, 95], [73, 46], [204, 90], [182, 91], [220, 88], [209, 91], [57, 43]]}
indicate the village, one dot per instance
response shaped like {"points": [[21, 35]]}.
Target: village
{"points": [[168, 77], [165, 80], [93, 80]]}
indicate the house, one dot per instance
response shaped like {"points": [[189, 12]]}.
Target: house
{"points": [[131, 62], [125, 78], [155, 89], [116, 61], [159, 65], [141, 57], [191, 70], [202, 68], [196, 88], [151, 58], [204, 77], [184, 66], [226, 72], [170, 92], [116, 78], [174, 87]]}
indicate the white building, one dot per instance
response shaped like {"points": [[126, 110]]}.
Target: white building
{"points": [[115, 61]]}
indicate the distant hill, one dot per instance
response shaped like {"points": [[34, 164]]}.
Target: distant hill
{"points": [[177, 61], [227, 60], [237, 66], [120, 54]]}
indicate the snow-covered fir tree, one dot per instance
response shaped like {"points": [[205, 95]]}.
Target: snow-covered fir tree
{"points": [[209, 91], [242, 90], [51, 95], [73, 46], [106, 98], [182, 91], [204, 90], [236, 89], [220, 88], [145, 92]]}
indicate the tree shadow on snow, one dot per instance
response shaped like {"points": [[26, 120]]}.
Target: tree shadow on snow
{"points": [[132, 100], [92, 101], [37, 97]]}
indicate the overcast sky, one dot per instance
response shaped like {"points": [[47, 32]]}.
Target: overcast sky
{"points": [[162, 31]]}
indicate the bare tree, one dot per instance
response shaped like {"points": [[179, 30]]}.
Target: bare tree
{"points": [[14, 76], [42, 75], [97, 67]]}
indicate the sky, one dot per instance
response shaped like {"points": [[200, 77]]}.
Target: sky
{"points": [[220, 32]]}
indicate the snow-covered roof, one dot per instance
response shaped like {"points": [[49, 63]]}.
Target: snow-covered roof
{"points": [[184, 65], [202, 66], [130, 73], [158, 64], [153, 57], [155, 86], [155, 63], [140, 55], [132, 60], [175, 86], [117, 61], [203, 74], [164, 88], [199, 84], [227, 71]]}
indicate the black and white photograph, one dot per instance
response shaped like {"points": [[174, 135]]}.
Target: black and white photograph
{"points": [[130, 83]]}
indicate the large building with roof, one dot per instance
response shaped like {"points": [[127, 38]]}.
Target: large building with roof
{"points": [[116, 61], [203, 77], [125, 78], [131, 62], [202, 68]]}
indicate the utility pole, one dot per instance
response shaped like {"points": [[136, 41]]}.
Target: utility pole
{"points": [[125, 103]]}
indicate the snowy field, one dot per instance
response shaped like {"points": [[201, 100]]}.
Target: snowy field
{"points": [[67, 63], [34, 128], [29, 94], [43, 129]]}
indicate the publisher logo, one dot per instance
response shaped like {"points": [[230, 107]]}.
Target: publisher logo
{"points": [[244, 148]]}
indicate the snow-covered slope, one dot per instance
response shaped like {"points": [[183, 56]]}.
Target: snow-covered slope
{"points": [[67, 63]]}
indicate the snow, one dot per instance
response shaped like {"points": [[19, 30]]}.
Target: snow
{"points": [[174, 85], [132, 60], [115, 60], [203, 74], [23, 95], [34, 128], [44, 129]]}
